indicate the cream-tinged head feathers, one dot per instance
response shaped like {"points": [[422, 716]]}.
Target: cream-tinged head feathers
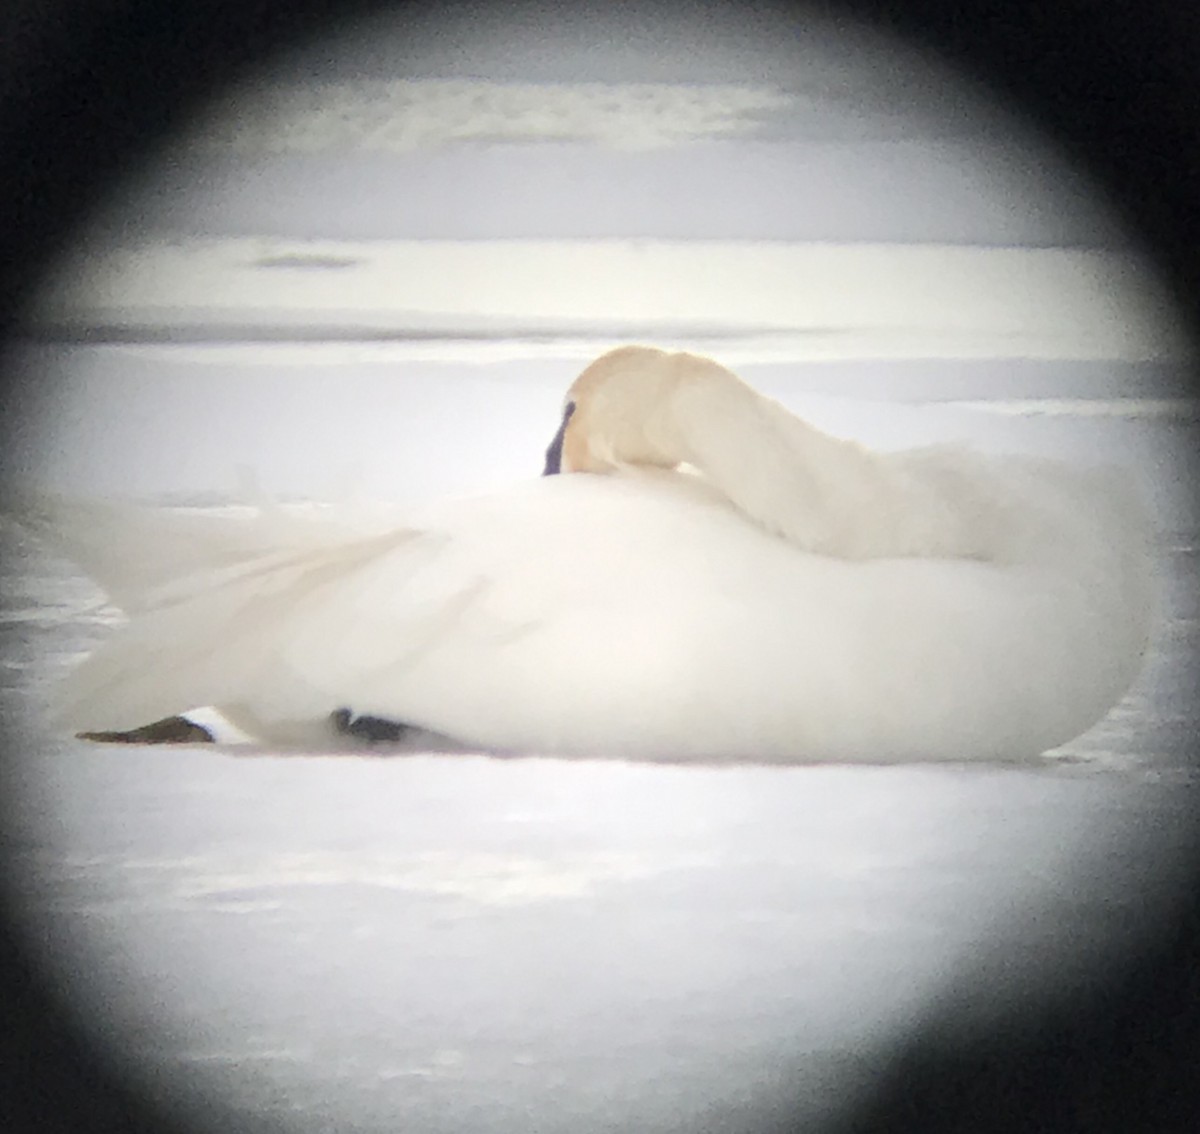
{"points": [[622, 410]]}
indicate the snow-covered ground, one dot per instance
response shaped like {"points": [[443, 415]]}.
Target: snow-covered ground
{"points": [[379, 288]]}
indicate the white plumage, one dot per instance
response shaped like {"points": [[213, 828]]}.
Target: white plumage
{"points": [[784, 596]]}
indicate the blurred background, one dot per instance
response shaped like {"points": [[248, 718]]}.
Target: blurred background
{"points": [[371, 272]]}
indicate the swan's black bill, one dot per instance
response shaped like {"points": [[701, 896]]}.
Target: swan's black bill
{"points": [[554, 453], [371, 729]]}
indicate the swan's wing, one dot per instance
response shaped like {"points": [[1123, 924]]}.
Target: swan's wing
{"points": [[254, 604], [294, 631], [144, 556], [406, 624]]}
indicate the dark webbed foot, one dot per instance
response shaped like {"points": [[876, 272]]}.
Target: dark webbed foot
{"points": [[170, 730], [371, 729]]}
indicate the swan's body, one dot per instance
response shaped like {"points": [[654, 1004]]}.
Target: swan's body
{"points": [[799, 599]]}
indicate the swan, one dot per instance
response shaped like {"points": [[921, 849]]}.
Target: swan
{"points": [[701, 575]]}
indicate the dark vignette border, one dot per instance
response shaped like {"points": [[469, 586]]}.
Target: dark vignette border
{"points": [[88, 91]]}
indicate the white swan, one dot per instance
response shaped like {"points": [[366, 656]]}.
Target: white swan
{"points": [[728, 583]]}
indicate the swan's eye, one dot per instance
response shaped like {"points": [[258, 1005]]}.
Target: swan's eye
{"points": [[554, 452]]}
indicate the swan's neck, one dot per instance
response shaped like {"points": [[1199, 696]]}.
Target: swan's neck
{"points": [[829, 495]]}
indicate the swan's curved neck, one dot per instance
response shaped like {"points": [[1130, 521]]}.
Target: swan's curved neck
{"points": [[827, 494]]}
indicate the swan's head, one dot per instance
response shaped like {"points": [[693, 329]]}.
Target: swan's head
{"points": [[619, 411]]}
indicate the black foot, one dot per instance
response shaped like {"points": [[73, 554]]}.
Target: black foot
{"points": [[170, 730], [371, 729]]}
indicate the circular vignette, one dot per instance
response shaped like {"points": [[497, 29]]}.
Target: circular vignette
{"points": [[87, 95]]}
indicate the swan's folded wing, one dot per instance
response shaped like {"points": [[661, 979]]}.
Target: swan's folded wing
{"points": [[294, 634], [144, 556]]}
